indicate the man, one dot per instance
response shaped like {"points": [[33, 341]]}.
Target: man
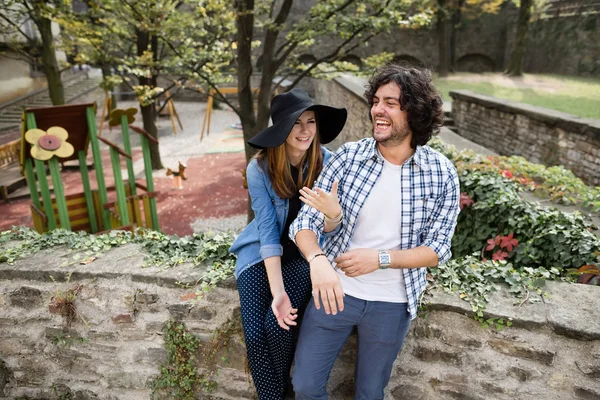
{"points": [[399, 203]]}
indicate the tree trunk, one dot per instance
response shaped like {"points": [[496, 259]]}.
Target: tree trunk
{"points": [[515, 65], [107, 73], [50, 64], [456, 19], [245, 27], [143, 41], [149, 119], [443, 26]]}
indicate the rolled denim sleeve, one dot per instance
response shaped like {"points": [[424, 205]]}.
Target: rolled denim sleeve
{"points": [[310, 218], [264, 211], [438, 234]]}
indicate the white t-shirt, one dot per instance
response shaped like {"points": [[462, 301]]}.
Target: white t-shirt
{"points": [[378, 227]]}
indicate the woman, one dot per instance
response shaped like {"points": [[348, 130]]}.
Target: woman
{"points": [[273, 279]]}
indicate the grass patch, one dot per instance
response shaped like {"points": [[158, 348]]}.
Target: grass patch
{"points": [[573, 95]]}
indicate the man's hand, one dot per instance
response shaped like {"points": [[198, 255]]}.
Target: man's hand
{"points": [[326, 286], [283, 310], [358, 262]]}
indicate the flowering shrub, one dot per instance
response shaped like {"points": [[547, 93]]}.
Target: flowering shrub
{"points": [[496, 223]]}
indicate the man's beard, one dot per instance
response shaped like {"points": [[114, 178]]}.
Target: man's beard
{"points": [[396, 137]]}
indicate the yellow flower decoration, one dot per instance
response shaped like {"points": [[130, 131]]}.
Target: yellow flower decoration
{"points": [[117, 113], [46, 144]]}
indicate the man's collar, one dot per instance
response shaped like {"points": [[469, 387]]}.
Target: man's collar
{"points": [[419, 157]]}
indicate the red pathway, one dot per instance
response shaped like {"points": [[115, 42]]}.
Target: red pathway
{"points": [[213, 190]]}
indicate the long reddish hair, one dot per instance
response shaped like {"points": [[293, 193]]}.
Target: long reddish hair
{"points": [[278, 165]]}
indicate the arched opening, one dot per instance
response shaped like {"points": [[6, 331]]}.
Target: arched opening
{"points": [[307, 59], [476, 63], [352, 59], [408, 61]]}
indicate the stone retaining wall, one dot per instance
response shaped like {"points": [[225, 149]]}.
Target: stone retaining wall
{"points": [[114, 346], [347, 93], [540, 135]]}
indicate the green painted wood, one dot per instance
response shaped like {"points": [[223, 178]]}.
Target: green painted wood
{"points": [[40, 169], [33, 190], [59, 194], [87, 191], [91, 120], [149, 181], [119, 187], [128, 161]]}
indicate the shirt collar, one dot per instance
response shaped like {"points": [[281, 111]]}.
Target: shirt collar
{"points": [[419, 158]]}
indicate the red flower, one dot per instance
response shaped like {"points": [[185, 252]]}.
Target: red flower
{"points": [[465, 200], [492, 243], [507, 173], [499, 255], [508, 242]]}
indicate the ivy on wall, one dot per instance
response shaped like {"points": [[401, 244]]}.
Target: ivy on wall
{"points": [[500, 238], [159, 250]]}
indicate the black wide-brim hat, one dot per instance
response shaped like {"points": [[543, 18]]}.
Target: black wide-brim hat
{"points": [[286, 108]]}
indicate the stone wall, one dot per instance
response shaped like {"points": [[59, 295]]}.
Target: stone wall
{"points": [[541, 135], [114, 345], [347, 93], [565, 44]]}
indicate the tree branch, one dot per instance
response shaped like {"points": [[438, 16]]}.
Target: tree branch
{"points": [[333, 56], [17, 27], [309, 22]]}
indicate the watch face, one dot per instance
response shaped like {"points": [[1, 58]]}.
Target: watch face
{"points": [[384, 260]]}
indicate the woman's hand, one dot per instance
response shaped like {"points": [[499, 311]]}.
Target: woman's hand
{"points": [[325, 202], [284, 312]]}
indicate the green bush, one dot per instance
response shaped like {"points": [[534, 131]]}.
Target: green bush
{"points": [[546, 237]]}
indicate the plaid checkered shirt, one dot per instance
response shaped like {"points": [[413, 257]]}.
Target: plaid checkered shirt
{"points": [[430, 194]]}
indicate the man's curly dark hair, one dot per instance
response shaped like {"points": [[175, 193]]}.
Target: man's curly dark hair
{"points": [[418, 97]]}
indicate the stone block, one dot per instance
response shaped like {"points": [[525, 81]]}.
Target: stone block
{"points": [[427, 330], [153, 355], [85, 395], [130, 333], [522, 350], [523, 374], [458, 392], [123, 318], [203, 313], [409, 392], [455, 378], [53, 332], [146, 298], [179, 311], [26, 297], [428, 354], [154, 327], [492, 387], [126, 380], [99, 335], [591, 370], [5, 376], [586, 393]]}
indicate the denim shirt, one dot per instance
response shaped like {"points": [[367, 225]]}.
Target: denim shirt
{"points": [[262, 237]]}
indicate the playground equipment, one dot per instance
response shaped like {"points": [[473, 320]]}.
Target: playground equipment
{"points": [[61, 133], [172, 112]]}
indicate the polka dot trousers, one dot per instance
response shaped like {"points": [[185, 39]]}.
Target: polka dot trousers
{"points": [[270, 348]]}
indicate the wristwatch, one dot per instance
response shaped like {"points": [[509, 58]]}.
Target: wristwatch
{"points": [[384, 259]]}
